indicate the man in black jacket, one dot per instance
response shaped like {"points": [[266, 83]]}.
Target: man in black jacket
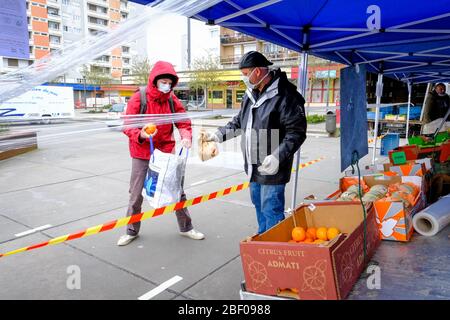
{"points": [[273, 124]]}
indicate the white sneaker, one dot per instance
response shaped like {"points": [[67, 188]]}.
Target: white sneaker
{"points": [[193, 234], [125, 239]]}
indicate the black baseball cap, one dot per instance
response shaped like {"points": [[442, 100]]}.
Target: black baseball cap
{"points": [[253, 59]]}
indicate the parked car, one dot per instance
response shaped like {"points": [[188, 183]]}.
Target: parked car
{"points": [[115, 113], [117, 110]]}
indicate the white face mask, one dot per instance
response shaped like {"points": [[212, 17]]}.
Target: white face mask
{"points": [[250, 85], [164, 87]]}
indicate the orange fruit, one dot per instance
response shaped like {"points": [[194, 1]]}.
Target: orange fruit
{"points": [[321, 233], [311, 233], [332, 232], [294, 290], [150, 128], [319, 241], [298, 234], [308, 240]]}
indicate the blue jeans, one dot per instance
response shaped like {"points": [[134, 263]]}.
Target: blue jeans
{"points": [[269, 203]]}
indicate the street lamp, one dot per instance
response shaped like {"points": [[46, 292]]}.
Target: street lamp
{"points": [[84, 86]]}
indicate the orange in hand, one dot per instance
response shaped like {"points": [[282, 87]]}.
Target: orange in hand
{"points": [[150, 128], [298, 234], [332, 233], [321, 234]]}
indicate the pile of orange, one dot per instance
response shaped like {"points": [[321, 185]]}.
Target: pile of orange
{"points": [[313, 235]]}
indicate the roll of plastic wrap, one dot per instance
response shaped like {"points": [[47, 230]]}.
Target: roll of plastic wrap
{"points": [[434, 218]]}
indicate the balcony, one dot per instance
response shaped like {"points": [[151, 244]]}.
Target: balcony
{"points": [[55, 45], [276, 57], [54, 16], [55, 31], [98, 26], [230, 39], [101, 63], [104, 3], [54, 3]]}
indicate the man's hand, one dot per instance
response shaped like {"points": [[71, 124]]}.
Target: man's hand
{"points": [[186, 143], [209, 137], [269, 166]]}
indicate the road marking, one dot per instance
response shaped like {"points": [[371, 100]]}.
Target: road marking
{"points": [[25, 233], [197, 183], [163, 286]]}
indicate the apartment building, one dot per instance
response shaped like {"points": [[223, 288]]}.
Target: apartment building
{"points": [[55, 23], [234, 44]]}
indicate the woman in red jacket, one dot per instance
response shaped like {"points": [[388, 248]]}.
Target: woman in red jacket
{"points": [[162, 80]]}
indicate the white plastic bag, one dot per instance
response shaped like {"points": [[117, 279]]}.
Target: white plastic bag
{"points": [[163, 184]]}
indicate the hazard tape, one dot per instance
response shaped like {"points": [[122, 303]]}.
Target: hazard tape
{"points": [[133, 219], [141, 216], [304, 165]]}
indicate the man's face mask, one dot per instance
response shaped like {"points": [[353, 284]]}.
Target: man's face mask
{"points": [[247, 82], [164, 87]]}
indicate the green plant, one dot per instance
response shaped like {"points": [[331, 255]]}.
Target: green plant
{"points": [[107, 106], [315, 118]]}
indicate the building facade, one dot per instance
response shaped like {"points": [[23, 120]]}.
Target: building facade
{"points": [[55, 23]]}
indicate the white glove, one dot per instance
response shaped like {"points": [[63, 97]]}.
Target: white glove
{"points": [[269, 166], [208, 137]]}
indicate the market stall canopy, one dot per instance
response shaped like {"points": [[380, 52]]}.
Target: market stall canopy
{"points": [[389, 36]]}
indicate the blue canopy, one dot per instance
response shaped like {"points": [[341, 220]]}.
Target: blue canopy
{"points": [[397, 38]]}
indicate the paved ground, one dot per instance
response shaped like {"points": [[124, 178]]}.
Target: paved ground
{"points": [[80, 180]]}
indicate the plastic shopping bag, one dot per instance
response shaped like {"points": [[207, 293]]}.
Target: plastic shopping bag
{"points": [[163, 184]]}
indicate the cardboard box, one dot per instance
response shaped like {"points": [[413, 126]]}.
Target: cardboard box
{"points": [[393, 217], [315, 271], [409, 169]]}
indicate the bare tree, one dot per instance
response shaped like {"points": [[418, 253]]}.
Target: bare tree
{"points": [[205, 73], [97, 77], [140, 70]]}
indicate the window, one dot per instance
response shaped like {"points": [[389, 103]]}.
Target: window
{"points": [[13, 62], [126, 71], [126, 60], [217, 94], [125, 49], [98, 21], [66, 28], [53, 25], [52, 11], [55, 40], [239, 95]]}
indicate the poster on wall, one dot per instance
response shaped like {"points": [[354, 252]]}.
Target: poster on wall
{"points": [[353, 115], [14, 29]]}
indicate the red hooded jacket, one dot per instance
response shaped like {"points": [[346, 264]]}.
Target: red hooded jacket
{"points": [[157, 103]]}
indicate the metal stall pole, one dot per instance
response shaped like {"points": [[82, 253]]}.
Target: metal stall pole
{"points": [[379, 93], [409, 107], [302, 80]]}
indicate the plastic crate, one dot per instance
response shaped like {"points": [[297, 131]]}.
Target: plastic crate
{"points": [[413, 110], [389, 142], [371, 115]]}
